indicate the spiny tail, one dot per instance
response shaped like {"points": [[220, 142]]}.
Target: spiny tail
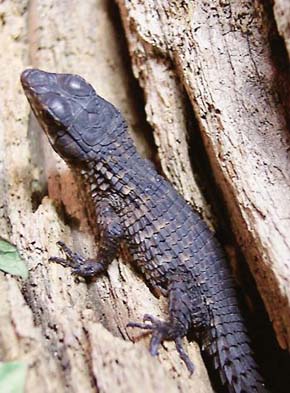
{"points": [[229, 346]]}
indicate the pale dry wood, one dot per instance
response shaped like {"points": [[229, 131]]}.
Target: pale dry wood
{"points": [[52, 322], [166, 111], [220, 52], [282, 16]]}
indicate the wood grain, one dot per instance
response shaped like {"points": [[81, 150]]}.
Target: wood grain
{"points": [[282, 16], [220, 54]]}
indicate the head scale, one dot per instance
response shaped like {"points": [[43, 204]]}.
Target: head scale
{"points": [[77, 121]]}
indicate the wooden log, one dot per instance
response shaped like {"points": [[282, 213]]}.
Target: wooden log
{"points": [[51, 322], [220, 54]]}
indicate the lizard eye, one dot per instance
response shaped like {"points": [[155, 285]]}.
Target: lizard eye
{"points": [[58, 107], [77, 86]]}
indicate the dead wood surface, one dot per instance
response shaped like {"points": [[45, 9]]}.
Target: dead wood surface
{"points": [[70, 334], [281, 10], [219, 52]]}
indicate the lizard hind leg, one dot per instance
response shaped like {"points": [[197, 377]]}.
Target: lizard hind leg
{"points": [[161, 331], [180, 321]]}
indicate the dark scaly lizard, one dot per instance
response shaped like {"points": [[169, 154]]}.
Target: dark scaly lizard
{"points": [[168, 242]]}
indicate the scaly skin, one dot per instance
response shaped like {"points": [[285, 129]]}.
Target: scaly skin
{"points": [[169, 243]]}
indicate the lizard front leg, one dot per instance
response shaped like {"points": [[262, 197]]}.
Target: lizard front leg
{"points": [[111, 233]]}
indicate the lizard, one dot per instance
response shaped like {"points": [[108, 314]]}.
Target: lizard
{"points": [[135, 207]]}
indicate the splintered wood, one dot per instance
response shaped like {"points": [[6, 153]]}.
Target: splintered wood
{"points": [[219, 53], [282, 16]]}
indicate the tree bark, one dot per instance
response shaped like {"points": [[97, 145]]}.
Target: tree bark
{"points": [[282, 16], [219, 52], [212, 58]]}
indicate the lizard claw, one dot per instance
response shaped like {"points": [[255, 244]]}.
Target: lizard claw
{"points": [[183, 355], [72, 259], [156, 327], [150, 318], [80, 266], [153, 325], [161, 331]]}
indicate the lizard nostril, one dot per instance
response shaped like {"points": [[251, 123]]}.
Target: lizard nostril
{"points": [[25, 76], [34, 77]]}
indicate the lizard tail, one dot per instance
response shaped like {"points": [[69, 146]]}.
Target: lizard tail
{"points": [[229, 346]]}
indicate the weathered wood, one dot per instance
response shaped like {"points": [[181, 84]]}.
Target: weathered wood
{"points": [[52, 322], [282, 16], [220, 52]]}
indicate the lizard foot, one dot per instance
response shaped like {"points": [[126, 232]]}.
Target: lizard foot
{"points": [[80, 266], [161, 331]]}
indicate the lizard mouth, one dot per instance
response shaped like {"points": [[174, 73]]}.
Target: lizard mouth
{"points": [[25, 76], [31, 81]]}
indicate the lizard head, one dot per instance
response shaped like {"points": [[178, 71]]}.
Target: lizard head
{"points": [[77, 121]]}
